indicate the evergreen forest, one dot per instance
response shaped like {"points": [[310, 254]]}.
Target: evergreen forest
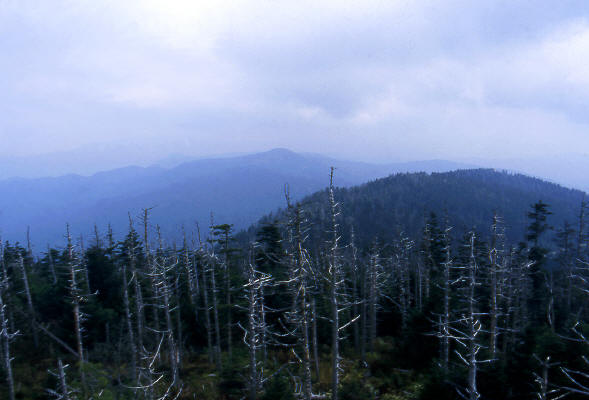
{"points": [[461, 285]]}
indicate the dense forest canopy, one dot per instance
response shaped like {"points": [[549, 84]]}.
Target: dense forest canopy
{"points": [[471, 284], [469, 198]]}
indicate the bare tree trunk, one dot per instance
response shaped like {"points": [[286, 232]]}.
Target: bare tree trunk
{"points": [[445, 331], [473, 325], [364, 314], [76, 298], [216, 317], [162, 266], [315, 338], [151, 268], [212, 351], [228, 305], [65, 393], [6, 337], [493, 313], [27, 290], [179, 344], [126, 302], [139, 316], [373, 273], [307, 379], [263, 328], [252, 333], [355, 294], [335, 280], [300, 270]]}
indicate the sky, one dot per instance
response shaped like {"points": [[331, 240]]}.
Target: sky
{"points": [[368, 80]]}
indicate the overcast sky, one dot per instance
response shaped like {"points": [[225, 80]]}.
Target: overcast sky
{"points": [[369, 80]]}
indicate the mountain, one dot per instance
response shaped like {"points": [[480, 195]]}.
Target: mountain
{"points": [[237, 190], [402, 202]]}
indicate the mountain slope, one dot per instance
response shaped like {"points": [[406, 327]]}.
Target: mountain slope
{"points": [[469, 197], [237, 190]]}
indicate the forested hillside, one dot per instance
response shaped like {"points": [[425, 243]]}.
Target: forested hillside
{"points": [[357, 293], [469, 198]]}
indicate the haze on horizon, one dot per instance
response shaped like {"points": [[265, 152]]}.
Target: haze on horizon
{"points": [[374, 81]]}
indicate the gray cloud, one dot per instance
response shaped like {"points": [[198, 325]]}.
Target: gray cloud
{"points": [[372, 80]]}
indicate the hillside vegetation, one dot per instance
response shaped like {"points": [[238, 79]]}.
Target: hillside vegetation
{"points": [[416, 286]]}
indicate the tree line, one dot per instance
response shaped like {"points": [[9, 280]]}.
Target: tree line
{"points": [[291, 314]]}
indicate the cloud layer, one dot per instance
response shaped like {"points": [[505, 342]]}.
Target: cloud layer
{"points": [[378, 80]]}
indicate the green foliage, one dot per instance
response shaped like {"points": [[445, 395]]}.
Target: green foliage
{"points": [[279, 387]]}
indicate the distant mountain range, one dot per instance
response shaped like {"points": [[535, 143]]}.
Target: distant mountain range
{"points": [[237, 190]]}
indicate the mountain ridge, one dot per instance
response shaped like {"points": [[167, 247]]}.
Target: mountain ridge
{"points": [[237, 190]]}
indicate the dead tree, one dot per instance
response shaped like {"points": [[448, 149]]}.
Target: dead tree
{"points": [[445, 318], [212, 262], [191, 270], [299, 316], [163, 267], [402, 279], [77, 298], [579, 379], [545, 390], [63, 391], [135, 277], [494, 272], [212, 351], [354, 278], [468, 331], [256, 331], [179, 329], [27, 290], [335, 282], [6, 337], [131, 248], [150, 268], [375, 280]]}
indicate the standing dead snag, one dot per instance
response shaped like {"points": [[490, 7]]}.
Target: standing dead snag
{"points": [[401, 276], [375, 278], [256, 331], [468, 335], [131, 248], [164, 266], [299, 318], [545, 390], [5, 338], [211, 266], [354, 277], [579, 379], [445, 318], [151, 270], [494, 281], [335, 278], [27, 291], [77, 298], [207, 310], [63, 391], [191, 270]]}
